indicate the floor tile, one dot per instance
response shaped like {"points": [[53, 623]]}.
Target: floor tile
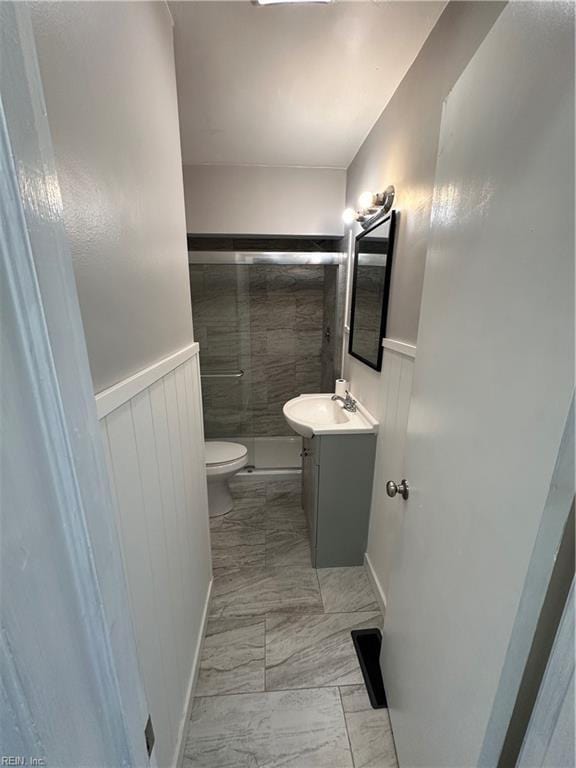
{"points": [[284, 493], [287, 548], [232, 657], [247, 492], [310, 651], [355, 698], [234, 536], [285, 518], [282, 729], [246, 517], [237, 548], [369, 730], [346, 589], [252, 591]]}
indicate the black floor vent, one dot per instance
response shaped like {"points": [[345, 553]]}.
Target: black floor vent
{"points": [[368, 643]]}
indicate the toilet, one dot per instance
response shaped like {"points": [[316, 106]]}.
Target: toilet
{"points": [[223, 460]]}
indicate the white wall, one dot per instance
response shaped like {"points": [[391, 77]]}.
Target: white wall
{"points": [[109, 81], [264, 200], [108, 73], [401, 149], [69, 677]]}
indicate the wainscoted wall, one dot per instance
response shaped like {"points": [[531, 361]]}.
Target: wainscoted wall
{"points": [[154, 443], [271, 322], [386, 513]]}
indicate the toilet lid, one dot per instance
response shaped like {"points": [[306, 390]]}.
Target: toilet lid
{"points": [[221, 453]]}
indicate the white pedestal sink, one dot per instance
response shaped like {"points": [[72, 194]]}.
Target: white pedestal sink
{"points": [[310, 415]]}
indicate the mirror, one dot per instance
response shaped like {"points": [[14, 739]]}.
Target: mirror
{"points": [[370, 290]]}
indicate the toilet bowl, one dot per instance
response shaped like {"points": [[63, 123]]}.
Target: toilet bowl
{"points": [[223, 460]]}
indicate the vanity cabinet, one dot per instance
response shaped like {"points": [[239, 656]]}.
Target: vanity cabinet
{"points": [[337, 474]]}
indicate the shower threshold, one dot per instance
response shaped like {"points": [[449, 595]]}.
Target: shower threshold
{"points": [[276, 473]]}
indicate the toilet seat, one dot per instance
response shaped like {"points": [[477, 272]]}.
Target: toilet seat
{"points": [[224, 458], [219, 452]]}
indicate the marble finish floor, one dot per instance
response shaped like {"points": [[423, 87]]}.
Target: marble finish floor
{"points": [[279, 682]]}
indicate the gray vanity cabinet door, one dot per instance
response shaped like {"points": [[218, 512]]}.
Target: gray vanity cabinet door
{"points": [[310, 490], [346, 469]]}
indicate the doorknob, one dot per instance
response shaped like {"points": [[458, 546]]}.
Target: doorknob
{"points": [[402, 488]]}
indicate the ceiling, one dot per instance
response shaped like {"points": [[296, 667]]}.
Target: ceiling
{"points": [[290, 85]]}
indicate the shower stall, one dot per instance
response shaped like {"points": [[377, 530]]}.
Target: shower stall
{"points": [[268, 325]]}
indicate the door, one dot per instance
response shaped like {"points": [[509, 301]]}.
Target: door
{"points": [[492, 383]]}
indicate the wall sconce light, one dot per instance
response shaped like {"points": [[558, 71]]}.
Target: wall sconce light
{"points": [[371, 207]]}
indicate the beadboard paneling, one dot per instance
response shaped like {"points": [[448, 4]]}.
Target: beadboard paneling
{"points": [[386, 513], [154, 444]]}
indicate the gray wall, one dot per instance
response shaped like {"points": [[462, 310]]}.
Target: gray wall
{"points": [[108, 76], [401, 150], [264, 200]]}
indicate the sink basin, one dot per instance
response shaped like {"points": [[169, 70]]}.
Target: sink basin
{"points": [[310, 415]]}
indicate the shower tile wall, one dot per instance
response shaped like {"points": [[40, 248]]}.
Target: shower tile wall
{"points": [[274, 322]]}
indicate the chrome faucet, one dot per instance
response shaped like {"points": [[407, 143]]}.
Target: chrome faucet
{"points": [[347, 401]]}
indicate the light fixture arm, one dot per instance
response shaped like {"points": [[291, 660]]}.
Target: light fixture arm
{"points": [[373, 207], [382, 203]]}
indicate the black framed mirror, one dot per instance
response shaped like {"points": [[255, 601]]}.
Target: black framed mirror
{"points": [[370, 290]]}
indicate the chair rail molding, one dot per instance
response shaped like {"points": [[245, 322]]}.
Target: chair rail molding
{"points": [[113, 397], [399, 346]]}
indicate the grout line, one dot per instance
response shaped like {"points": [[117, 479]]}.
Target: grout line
{"points": [[320, 590], [393, 739], [281, 690], [346, 726]]}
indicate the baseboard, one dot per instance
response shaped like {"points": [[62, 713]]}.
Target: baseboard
{"points": [[375, 581], [113, 397], [181, 743]]}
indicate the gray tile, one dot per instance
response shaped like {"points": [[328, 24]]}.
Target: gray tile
{"points": [[313, 651], [284, 493], [285, 517], [280, 311], [309, 310], [281, 342], [309, 343], [232, 657], [242, 556], [211, 308], [247, 485], [224, 340], [287, 547], [238, 535], [248, 491], [242, 516], [280, 373], [355, 698], [224, 422], [346, 589], [283, 729], [238, 547], [309, 376], [269, 421], [254, 591], [369, 730]]}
